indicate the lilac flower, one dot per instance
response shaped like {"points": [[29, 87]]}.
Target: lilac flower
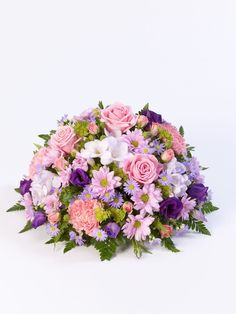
{"points": [[193, 169], [112, 229], [137, 227], [117, 201], [197, 214], [39, 219], [77, 238], [158, 146], [99, 234], [165, 178], [79, 177], [131, 186], [145, 148], [63, 119], [147, 199], [103, 181], [135, 140], [52, 230]]}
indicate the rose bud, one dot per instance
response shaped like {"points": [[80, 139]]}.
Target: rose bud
{"points": [[168, 155], [93, 128], [142, 121], [154, 129], [166, 231], [128, 207]]}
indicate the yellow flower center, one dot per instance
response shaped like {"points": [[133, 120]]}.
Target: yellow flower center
{"points": [[137, 224], [134, 143], [145, 198], [104, 183]]}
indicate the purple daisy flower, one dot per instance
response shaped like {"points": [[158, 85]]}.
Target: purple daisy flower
{"points": [[165, 178], [108, 196], [52, 230], [77, 238], [99, 234], [145, 148], [130, 186], [86, 194], [158, 146], [134, 139], [117, 200]]}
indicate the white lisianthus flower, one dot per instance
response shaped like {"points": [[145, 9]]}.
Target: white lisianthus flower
{"points": [[180, 184], [43, 183], [108, 150]]}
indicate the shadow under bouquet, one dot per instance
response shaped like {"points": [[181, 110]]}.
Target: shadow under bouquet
{"points": [[111, 179]]}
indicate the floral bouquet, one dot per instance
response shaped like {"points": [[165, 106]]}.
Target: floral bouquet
{"points": [[111, 178]]}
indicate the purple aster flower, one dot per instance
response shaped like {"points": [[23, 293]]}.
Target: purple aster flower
{"points": [[145, 148], [112, 229], [130, 186], [153, 243], [63, 119], [25, 186], [171, 207], [77, 238], [147, 199], [198, 191], [108, 196], [158, 147], [165, 178], [152, 117], [193, 169], [52, 230], [39, 219], [103, 181], [79, 177], [197, 214], [99, 234], [117, 200], [86, 194], [135, 140]]}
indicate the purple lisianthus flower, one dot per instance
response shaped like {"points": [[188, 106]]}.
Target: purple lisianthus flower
{"points": [[171, 207], [198, 191], [112, 229], [79, 177], [39, 219], [25, 186], [152, 117]]}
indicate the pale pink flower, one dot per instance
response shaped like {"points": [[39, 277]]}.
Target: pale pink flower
{"points": [[166, 231], [83, 216], [188, 205], [118, 117], [64, 176], [143, 168], [168, 155], [52, 203], [142, 121], [64, 139], [128, 207], [53, 218], [80, 162], [93, 128], [137, 227], [27, 202]]}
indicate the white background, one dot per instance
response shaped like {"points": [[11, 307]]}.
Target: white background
{"points": [[61, 57]]}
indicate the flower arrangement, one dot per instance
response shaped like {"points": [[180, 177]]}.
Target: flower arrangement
{"points": [[111, 178]]}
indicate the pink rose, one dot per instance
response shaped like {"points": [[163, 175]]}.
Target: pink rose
{"points": [[142, 121], [83, 216], [93, 128], [64, 139], [118, 117], [168, 155], [143, 168], [128, 207], [166, 231], [53, 218]]}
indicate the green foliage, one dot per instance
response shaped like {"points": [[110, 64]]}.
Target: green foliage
{"points": [[27, 227], [16, 207], [166, 190], [208, 208], [139, 248], [166, 137], [146, 107], [181, 130], [100, 105], [197, 225], [118, 171], [102, 214], [17, 190], [45, 137], [169, 244], [67, 193], [117, 214], [107, 248], [69, 246], [81, 128]]}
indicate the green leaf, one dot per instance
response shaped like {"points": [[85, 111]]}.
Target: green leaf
{"points": [[208, 208], [27, 227], [45, 137], [181, 130], [69, 246], [197, 225], [100, 105], [16, 207], [139, 248], [146, 107], [50, 241], [68, 193], [17, 190], [107, 248], [81, 128], [117, 213], [169, 244]]}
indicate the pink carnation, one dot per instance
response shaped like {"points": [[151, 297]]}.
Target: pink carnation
{"points": [[143, 168], [178, 144], [64, 139], [82, 215]]}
